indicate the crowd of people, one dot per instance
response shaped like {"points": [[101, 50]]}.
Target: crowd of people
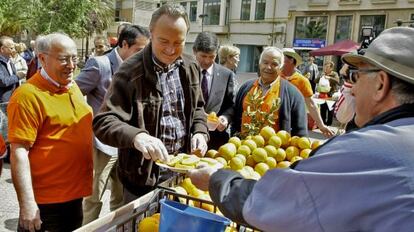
{"points": [[146, 99]]}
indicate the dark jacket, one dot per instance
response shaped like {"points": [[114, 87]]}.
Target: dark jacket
{"points": [[292, 111], [133, 104], [221, 101], [8, 83]]}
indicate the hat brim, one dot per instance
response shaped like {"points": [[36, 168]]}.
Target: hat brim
{"points": [[389, 66], [295, 56]]}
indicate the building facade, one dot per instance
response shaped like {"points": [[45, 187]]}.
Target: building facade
{"points": [[316, 23], [254, 24]]}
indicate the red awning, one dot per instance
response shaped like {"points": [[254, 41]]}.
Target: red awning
{"points": [[336, 49]]}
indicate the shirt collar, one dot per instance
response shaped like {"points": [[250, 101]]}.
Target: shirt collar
{"points": [[46, 76], [118, 57], [162, 68], [210, 70]]}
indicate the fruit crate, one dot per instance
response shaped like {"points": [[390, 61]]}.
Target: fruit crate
{"points": [[127, 218]]}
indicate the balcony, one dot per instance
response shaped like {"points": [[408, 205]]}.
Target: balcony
{"points": [[312, 3]]}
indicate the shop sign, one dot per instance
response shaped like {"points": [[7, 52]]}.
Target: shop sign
{"points": [[309, 43]]}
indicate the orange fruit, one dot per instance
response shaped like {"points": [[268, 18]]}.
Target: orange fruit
{"points": [[304, 143], [250, 161], [295, 158], [291, 151], [275, 141], [236, 163], [148, 224], [281, 155], [235, 140], [250, 143], [261, 168], [227, 151], [271, 162], [244, 150], [294, 141], [305, 153], [212, 153], [283, 164], [259, 140], [267, 132], [285, 137], [271, 150], [315, 144], [259, 155]]}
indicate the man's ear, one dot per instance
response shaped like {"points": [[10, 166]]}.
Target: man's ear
{"points": [[382, 86], [41, 59], [125, 44]]}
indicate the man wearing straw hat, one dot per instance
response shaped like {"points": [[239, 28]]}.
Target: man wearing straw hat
{"points": [[359, 181], [289, 72]]}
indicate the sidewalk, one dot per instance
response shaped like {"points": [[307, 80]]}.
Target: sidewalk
{"points": [[9, 207]]}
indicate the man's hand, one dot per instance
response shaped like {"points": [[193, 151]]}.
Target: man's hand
{"points": [[151, 147], [326, 131], [223, 123], [201, 177], [29, 217], [198, 142]]}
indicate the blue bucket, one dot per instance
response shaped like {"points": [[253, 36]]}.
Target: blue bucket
{"points": [[179, 217]]}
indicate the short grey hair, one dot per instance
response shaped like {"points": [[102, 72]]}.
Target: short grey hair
{"points": [[276, 52], [44, 43], [171, 9], [402, 90]]}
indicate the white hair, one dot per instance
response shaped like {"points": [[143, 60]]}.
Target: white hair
{"points": [[276, 52]]}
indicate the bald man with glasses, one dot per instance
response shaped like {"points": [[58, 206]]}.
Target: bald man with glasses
{"points": [[50, 132]]}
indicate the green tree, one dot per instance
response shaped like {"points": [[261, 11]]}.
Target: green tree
{"points": [[13, 17], [76, 18]]}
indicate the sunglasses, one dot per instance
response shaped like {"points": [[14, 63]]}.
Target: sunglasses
{"points": [[354, 74]]}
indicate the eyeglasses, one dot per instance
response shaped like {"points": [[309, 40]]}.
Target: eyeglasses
{"points": [[64, 60], [11, 47], [354, 73]]}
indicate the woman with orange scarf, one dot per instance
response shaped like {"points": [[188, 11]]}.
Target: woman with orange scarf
{"points": [[289, 116]]}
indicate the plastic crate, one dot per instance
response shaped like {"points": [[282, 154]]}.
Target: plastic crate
{"points": [[126, 218]]}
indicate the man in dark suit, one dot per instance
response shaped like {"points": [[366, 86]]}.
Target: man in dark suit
{"points": [[217, 83], [94, 81]]}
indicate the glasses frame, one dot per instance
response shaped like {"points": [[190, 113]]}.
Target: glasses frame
{"points": [[10, 48], [64, 61], [354, 73]]}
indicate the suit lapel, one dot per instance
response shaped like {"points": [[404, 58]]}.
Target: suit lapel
{"points": [[114, 61], [215, 87]]}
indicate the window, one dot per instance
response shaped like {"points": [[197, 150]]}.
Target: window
{"points": [[260, 9], [313, 27], [249, 58], [193, 11], [412, 16], [245, 9], [343, 27], [212, 9], [376, 21], [184, 4], [118, 6]]}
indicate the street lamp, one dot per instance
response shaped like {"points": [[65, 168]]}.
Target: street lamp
{"points": [[202, 16]]}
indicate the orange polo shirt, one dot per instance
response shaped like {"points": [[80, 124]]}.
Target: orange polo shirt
{"points": [[3, 147], [57, 124], [302, 83]]}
